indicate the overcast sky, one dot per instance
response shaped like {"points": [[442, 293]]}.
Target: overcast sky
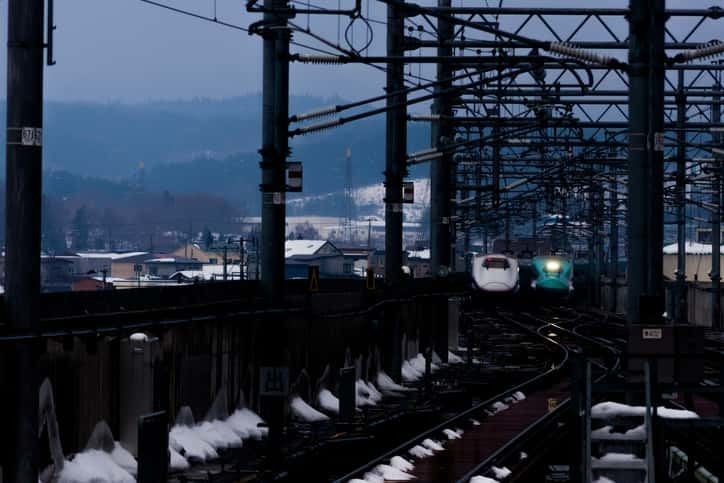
{"points": [[129, 51]]}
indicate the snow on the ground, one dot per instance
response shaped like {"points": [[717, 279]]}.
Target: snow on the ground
{"points": [[367, 394], [386, 383], [453, 358], [218, 434], [420, 452], [482, 479], [328, 401], [518, 396], [245, 423], [124, 458], [93, 466], [451, 434], [618, 458], [609, 409], [501, 473], [391, 473], [371, 477], [363, 396], [669, 413], [603, 479], [418, 363], [186, 439], [375, 395], [138, 337], [523, 455], [178, 462], [636, 433], [409, 373], [432, 444], [499, 406], [475, 422], [401, 464], [305, 412]]}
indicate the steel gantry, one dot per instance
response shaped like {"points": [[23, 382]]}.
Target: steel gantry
{"points": [[596, 116]]}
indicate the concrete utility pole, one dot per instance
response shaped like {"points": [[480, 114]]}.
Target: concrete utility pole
{"points": [[613, 240], [395, 170], [716, 217], [22, 239], [645, 162], [395, 146], [680, 317], [441, 251], [275, 148]]}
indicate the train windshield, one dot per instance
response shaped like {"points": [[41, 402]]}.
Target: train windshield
{"points": [[500, 263]]}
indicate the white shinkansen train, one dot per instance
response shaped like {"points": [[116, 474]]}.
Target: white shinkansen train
{"points": [[496, 273]]}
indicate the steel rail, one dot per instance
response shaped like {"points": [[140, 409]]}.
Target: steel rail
{"points": [[514, 444], [465, 414]]}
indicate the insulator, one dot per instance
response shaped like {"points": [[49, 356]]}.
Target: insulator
{"points": [[422, 159], [319, 126], [424, 117], [709, 49], [569, 50], [321, 59], [326, 111], [422, 152]]}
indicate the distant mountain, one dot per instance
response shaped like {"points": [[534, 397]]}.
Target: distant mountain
{"points": [[199, 146]]}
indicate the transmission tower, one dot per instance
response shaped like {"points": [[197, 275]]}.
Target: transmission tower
{"points": [[349, 206]]}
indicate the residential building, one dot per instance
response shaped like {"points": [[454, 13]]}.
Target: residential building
{"points": [[299, 254]]}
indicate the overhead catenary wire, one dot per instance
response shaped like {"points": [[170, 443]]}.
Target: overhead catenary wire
{"points": [[196, 15]]}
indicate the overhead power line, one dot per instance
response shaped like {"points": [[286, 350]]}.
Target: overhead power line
{"points": [[195, 15]]}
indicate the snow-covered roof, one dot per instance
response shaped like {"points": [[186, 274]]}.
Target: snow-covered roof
{"points": [[209, 272], [422, 254], [173, 260], [692, 248], [111, 255], [302, 247]]}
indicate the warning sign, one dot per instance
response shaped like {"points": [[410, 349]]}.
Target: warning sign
{"points": [[408, 192], [652, 334], [273, 381], [552, 404]]}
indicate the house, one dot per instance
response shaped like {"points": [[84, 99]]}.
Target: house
{"points": [[419, 262], [698, 261], [376, 261], [90, 284], [122, 264], [167, 266], [299, 254], [212, 257], [56, 274], [208, 272]]}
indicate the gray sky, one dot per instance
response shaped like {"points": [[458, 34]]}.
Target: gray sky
{"points": [[129, 51]]}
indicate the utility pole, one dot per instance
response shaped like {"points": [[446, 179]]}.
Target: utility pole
{"points": [[395, 170], [441, 250], [680, 317], [645, 159], [22, 239], [395, 145], [716, 217], [226, 261], [613, 241], [275, 148]]}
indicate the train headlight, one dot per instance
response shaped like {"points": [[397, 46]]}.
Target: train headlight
{"points": [[553, 266]]}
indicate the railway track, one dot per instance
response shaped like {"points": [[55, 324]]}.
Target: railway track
{"points": [[492, 439]]}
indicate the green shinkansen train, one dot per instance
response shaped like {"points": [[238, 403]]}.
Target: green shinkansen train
{"points": [[552, 274]]}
